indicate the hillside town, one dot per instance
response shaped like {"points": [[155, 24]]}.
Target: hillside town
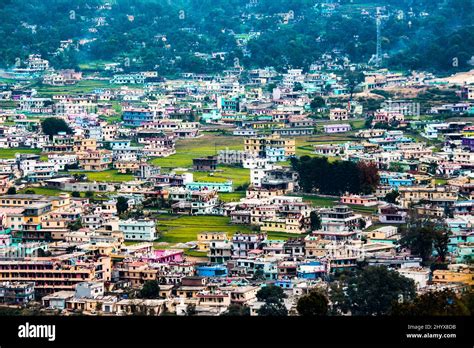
{"points": [[135, 193]]}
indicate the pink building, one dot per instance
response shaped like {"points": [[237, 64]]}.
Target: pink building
{"points": [[164, 256], [5, 240], [359, 200], [337, 128]]}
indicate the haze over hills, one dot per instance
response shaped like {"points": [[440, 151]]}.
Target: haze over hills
{"points": [[212, 35]]}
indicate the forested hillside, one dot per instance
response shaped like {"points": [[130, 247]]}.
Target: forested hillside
{"points": [[181, 35]]}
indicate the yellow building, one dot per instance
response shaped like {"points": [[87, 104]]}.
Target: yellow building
{"points": [[439, 194], [287, 225], [205, 238], [95, 160], [257, 145], [126, 166], [81, 145], [463, 275]]}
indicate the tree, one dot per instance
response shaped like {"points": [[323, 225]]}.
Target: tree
{"points": [[30, 192], [76, 194], [315, 220], [273, 310], [76, 225], [191, 310], [150, 290], [271, 294], [11, 190], [313, 304], [236, 310], [89, 194], [391, 197], [122, 205], [433, 303], [43, 253], [424, 236], [368, 176], [52, 126], [273, 297], [372, 291], [317, 102], [297, 87], [353, 79], [259, 275]]}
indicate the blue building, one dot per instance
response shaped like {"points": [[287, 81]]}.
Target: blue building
{"points": [[228, 105], [395, 181], [210, 186], [311, 270], [275, 154], [211, 271], [137, 117]]}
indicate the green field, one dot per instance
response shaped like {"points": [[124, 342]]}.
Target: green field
{"points": [[207, 145], [84, 86], [318, 201], [182, 229], [362, 209], [43, 191], [54, 192], [305, 145], [238, 176], [231, 197], [10, 153], [111, 175]]}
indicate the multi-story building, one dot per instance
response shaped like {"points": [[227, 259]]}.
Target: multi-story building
{"points": [[440, 195], [139, 230], [56, 273], [257, 146], [17, 293], [243, 243], [205, 238], [95, 160]]}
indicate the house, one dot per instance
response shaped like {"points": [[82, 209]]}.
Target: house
{"points": [[89, 290], [220, 251], [205, 164], [205, 238], [384, 234], [242, 244], [257, 145], [392, 214], [139, 230], [311, 270], [57, 300], [136, 117], [338, 114], [456, 273], [210, 186], [211, 271], [337, 128], [421, 276], [366, 201], [17, 293]]}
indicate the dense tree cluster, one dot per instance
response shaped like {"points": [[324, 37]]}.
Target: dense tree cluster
{"points": [[165, 35], [317, 174], [53, 126], [273, 297], [370, 291], [313, 304], [436, 303], [424, 238]]}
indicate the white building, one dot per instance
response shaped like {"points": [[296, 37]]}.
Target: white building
{"points": [[141, 230], [420, 275]]}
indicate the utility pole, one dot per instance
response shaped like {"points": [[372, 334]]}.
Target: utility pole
{"points": [[378, 53]]}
